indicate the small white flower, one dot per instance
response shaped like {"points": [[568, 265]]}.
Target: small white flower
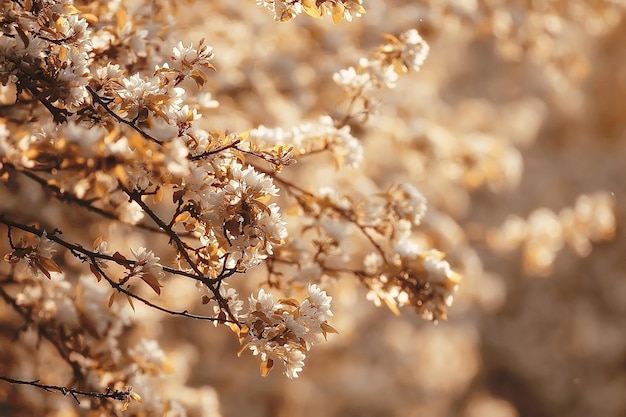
{"points": [[263, 302], [147, 263]]}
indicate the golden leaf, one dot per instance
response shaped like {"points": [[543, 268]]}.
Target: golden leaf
{"points": [[120, 173], [263, 317], [455, 277], [182, 217], [244, 135], [290, 302], [242, 349], [337, 12], [168, 367], [136, 397], [59, 23], [121, 17], [70, 9], [97, 242], [391, 305], [311, 9], [234, 327]]}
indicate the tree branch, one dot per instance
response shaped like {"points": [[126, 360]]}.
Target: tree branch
{"points": [[73, 392]]}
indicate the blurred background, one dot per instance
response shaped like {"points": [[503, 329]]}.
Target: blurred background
{"points": [[515, 115]]}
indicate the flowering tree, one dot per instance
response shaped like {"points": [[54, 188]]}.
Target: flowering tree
{"points": [[121, 205], [100, 126]]}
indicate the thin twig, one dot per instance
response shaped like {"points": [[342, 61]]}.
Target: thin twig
{"points": [[215, 151], [66, 196], [182, 249], [120, 119], [91, 256], [73, 392]]}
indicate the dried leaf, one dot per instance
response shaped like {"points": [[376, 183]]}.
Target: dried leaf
{"points": [[95, 271], [112, 299], [42, 269], [119, 257], [130, 301], [178, 195], [49, 264], [153, 282], [199, 80], [328, 328], [23, 36], [266, 367]]}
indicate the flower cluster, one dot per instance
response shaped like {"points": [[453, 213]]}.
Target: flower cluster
{"points": [[46, 54], [313, 137], [398, 56], [284, 330], [38, 255], [422, 280], [285, 10]]}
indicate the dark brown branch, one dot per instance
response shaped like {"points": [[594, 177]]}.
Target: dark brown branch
{"points": [[92, 257], [73, 392], [215, 151], [66, 196], [120, 288], [182, 249], [120, 119]]}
